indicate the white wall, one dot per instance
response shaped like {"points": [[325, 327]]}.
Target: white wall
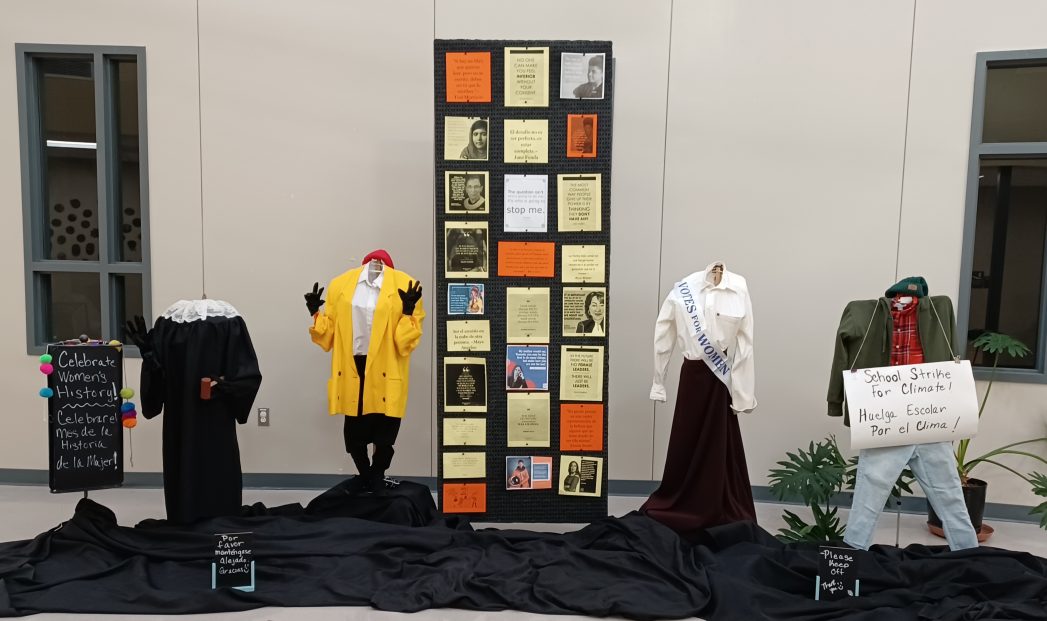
{"points": [[948, 34], [786, 132], [781, 132], [168, 30]]}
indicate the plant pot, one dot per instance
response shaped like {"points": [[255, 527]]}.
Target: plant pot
{"points": [[974, 497], [984, 533]]}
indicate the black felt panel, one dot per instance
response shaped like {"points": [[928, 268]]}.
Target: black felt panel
{"points": [[530, 505]]}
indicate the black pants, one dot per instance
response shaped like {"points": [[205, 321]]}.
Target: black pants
{"points": [[364, 429]]}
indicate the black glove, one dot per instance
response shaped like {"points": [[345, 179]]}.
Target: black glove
{"points": [[313, 301], [138, 333], [411, 296]]}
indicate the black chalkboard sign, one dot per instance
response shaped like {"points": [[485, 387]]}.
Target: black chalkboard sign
{"points": [[233, 565], [85, 442], [837, 573]]}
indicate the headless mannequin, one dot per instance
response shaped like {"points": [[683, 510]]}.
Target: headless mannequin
{"points": [[705, 482], [933, 464], [369, 428], [377, 425]]}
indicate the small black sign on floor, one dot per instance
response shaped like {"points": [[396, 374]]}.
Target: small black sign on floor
{"points": [[837, 573], [233, 565]]}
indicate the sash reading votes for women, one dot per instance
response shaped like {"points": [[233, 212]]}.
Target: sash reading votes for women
{"points": [[683, 293]]}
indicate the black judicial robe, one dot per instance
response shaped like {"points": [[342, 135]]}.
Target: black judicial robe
{"points": [[202, 476]]}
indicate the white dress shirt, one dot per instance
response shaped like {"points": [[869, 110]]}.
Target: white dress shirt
{"points": [[365, 298], [728, 315]]}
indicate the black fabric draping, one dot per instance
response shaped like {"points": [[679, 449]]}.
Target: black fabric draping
{"points": [[407, 504], [631, 567]]}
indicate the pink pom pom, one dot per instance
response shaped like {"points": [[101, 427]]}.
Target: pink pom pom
{"points": [[47, 369]]}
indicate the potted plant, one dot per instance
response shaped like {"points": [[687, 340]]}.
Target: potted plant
{"points": [[816, 476], [974, 490], [812, 476]]}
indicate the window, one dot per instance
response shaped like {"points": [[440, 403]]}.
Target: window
{"points": [[85, 216], [1005, 235]]}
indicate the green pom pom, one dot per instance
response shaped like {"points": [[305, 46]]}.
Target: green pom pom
{"points": [[45, 359], [126, 393]]}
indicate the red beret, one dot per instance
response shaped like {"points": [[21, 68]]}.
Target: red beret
{"points": [[381, 255]]}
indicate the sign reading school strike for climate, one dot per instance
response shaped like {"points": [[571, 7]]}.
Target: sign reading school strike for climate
{"points": [[911, 404], [84, 428]]}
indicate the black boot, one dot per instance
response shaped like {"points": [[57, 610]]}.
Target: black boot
{"points": [[359, 483], [376, 481], [383, 457]]}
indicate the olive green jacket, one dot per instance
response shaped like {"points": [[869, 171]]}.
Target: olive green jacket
{"points": [[874, 317]]}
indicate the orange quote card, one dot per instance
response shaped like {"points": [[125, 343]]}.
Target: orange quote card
{"points": [[468, 77], [581, 427], [534, 259], [465, 498], [581, 135]]}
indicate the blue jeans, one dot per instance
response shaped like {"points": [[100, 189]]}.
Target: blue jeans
{"points": [[934, 467]]}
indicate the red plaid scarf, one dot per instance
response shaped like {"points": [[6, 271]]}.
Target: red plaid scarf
{"points": [[905, 339]]}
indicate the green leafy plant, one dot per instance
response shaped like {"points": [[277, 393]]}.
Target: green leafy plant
{"points": [[1039, 487], [995, 344], [814, 476]]}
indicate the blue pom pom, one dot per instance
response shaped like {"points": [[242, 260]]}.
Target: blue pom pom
{"points": [[46, 393], [127, 407]]}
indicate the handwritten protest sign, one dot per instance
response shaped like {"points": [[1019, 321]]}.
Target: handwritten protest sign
{"points": [[911, 404]]}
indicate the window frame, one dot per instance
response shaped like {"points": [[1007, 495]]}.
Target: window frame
{"points": [[34, 190], [988, 151]]}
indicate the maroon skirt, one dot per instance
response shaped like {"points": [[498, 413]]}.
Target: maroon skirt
{"points": [[705, 482]]}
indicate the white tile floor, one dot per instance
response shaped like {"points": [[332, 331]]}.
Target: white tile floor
{"points": [[27, 511]]}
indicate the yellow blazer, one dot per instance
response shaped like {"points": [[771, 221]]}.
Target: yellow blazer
{"points": [[393, 337]]}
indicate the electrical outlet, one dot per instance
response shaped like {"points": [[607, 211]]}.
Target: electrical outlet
{"points": [[263, 417]]}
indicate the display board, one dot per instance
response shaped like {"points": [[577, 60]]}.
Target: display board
{"points": [[85, 439], [523, 226]]}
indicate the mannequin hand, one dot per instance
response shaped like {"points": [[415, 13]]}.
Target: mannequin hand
{"points": [[411, 296], [138, 333], [313, 301]]}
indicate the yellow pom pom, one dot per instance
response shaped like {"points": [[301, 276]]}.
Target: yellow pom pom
{"points": [[126, 393]]}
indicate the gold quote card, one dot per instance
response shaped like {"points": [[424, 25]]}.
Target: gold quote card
{"points": [[578, 202], [582, 264], [527, 77], [465, 432], [465, 465], [469, 335], [526, 141], [527, 315], [528, 419], [581, 373]]}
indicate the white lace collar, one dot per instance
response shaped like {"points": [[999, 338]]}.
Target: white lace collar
{"points": [[184, 311]]}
